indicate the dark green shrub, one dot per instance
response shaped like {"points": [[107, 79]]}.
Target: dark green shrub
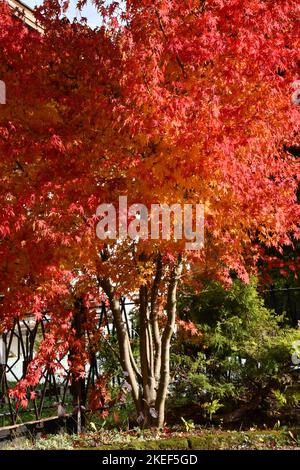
{"points": [[242, 360]]}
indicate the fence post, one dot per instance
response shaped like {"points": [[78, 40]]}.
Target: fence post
{"points": [[2, 365]]}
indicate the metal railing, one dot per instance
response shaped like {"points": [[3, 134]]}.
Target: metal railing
{"points": [[56, 388], [285, 299]]}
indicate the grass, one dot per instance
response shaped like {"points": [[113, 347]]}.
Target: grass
{"points": [[200, 439]]}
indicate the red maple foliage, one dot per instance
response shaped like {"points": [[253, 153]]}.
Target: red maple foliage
{"points": [[165, 102]]}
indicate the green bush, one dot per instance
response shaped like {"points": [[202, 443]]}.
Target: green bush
{"points": [[242, 359]]}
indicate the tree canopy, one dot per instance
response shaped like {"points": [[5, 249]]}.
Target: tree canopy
{"points": [[167, 102]]}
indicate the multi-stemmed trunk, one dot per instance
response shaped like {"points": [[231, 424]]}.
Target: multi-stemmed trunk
{"points": [[150, 379]]}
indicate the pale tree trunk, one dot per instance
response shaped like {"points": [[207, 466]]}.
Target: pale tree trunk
{"points": [[126, 356], [146, 356], [154, 318], [149, 385], [164, 378]]}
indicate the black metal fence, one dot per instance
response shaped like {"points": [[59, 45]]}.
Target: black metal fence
{"points": [[56, 391], [285, 300]]}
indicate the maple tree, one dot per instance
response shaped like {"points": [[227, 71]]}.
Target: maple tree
{"points": [[165, 102]]}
